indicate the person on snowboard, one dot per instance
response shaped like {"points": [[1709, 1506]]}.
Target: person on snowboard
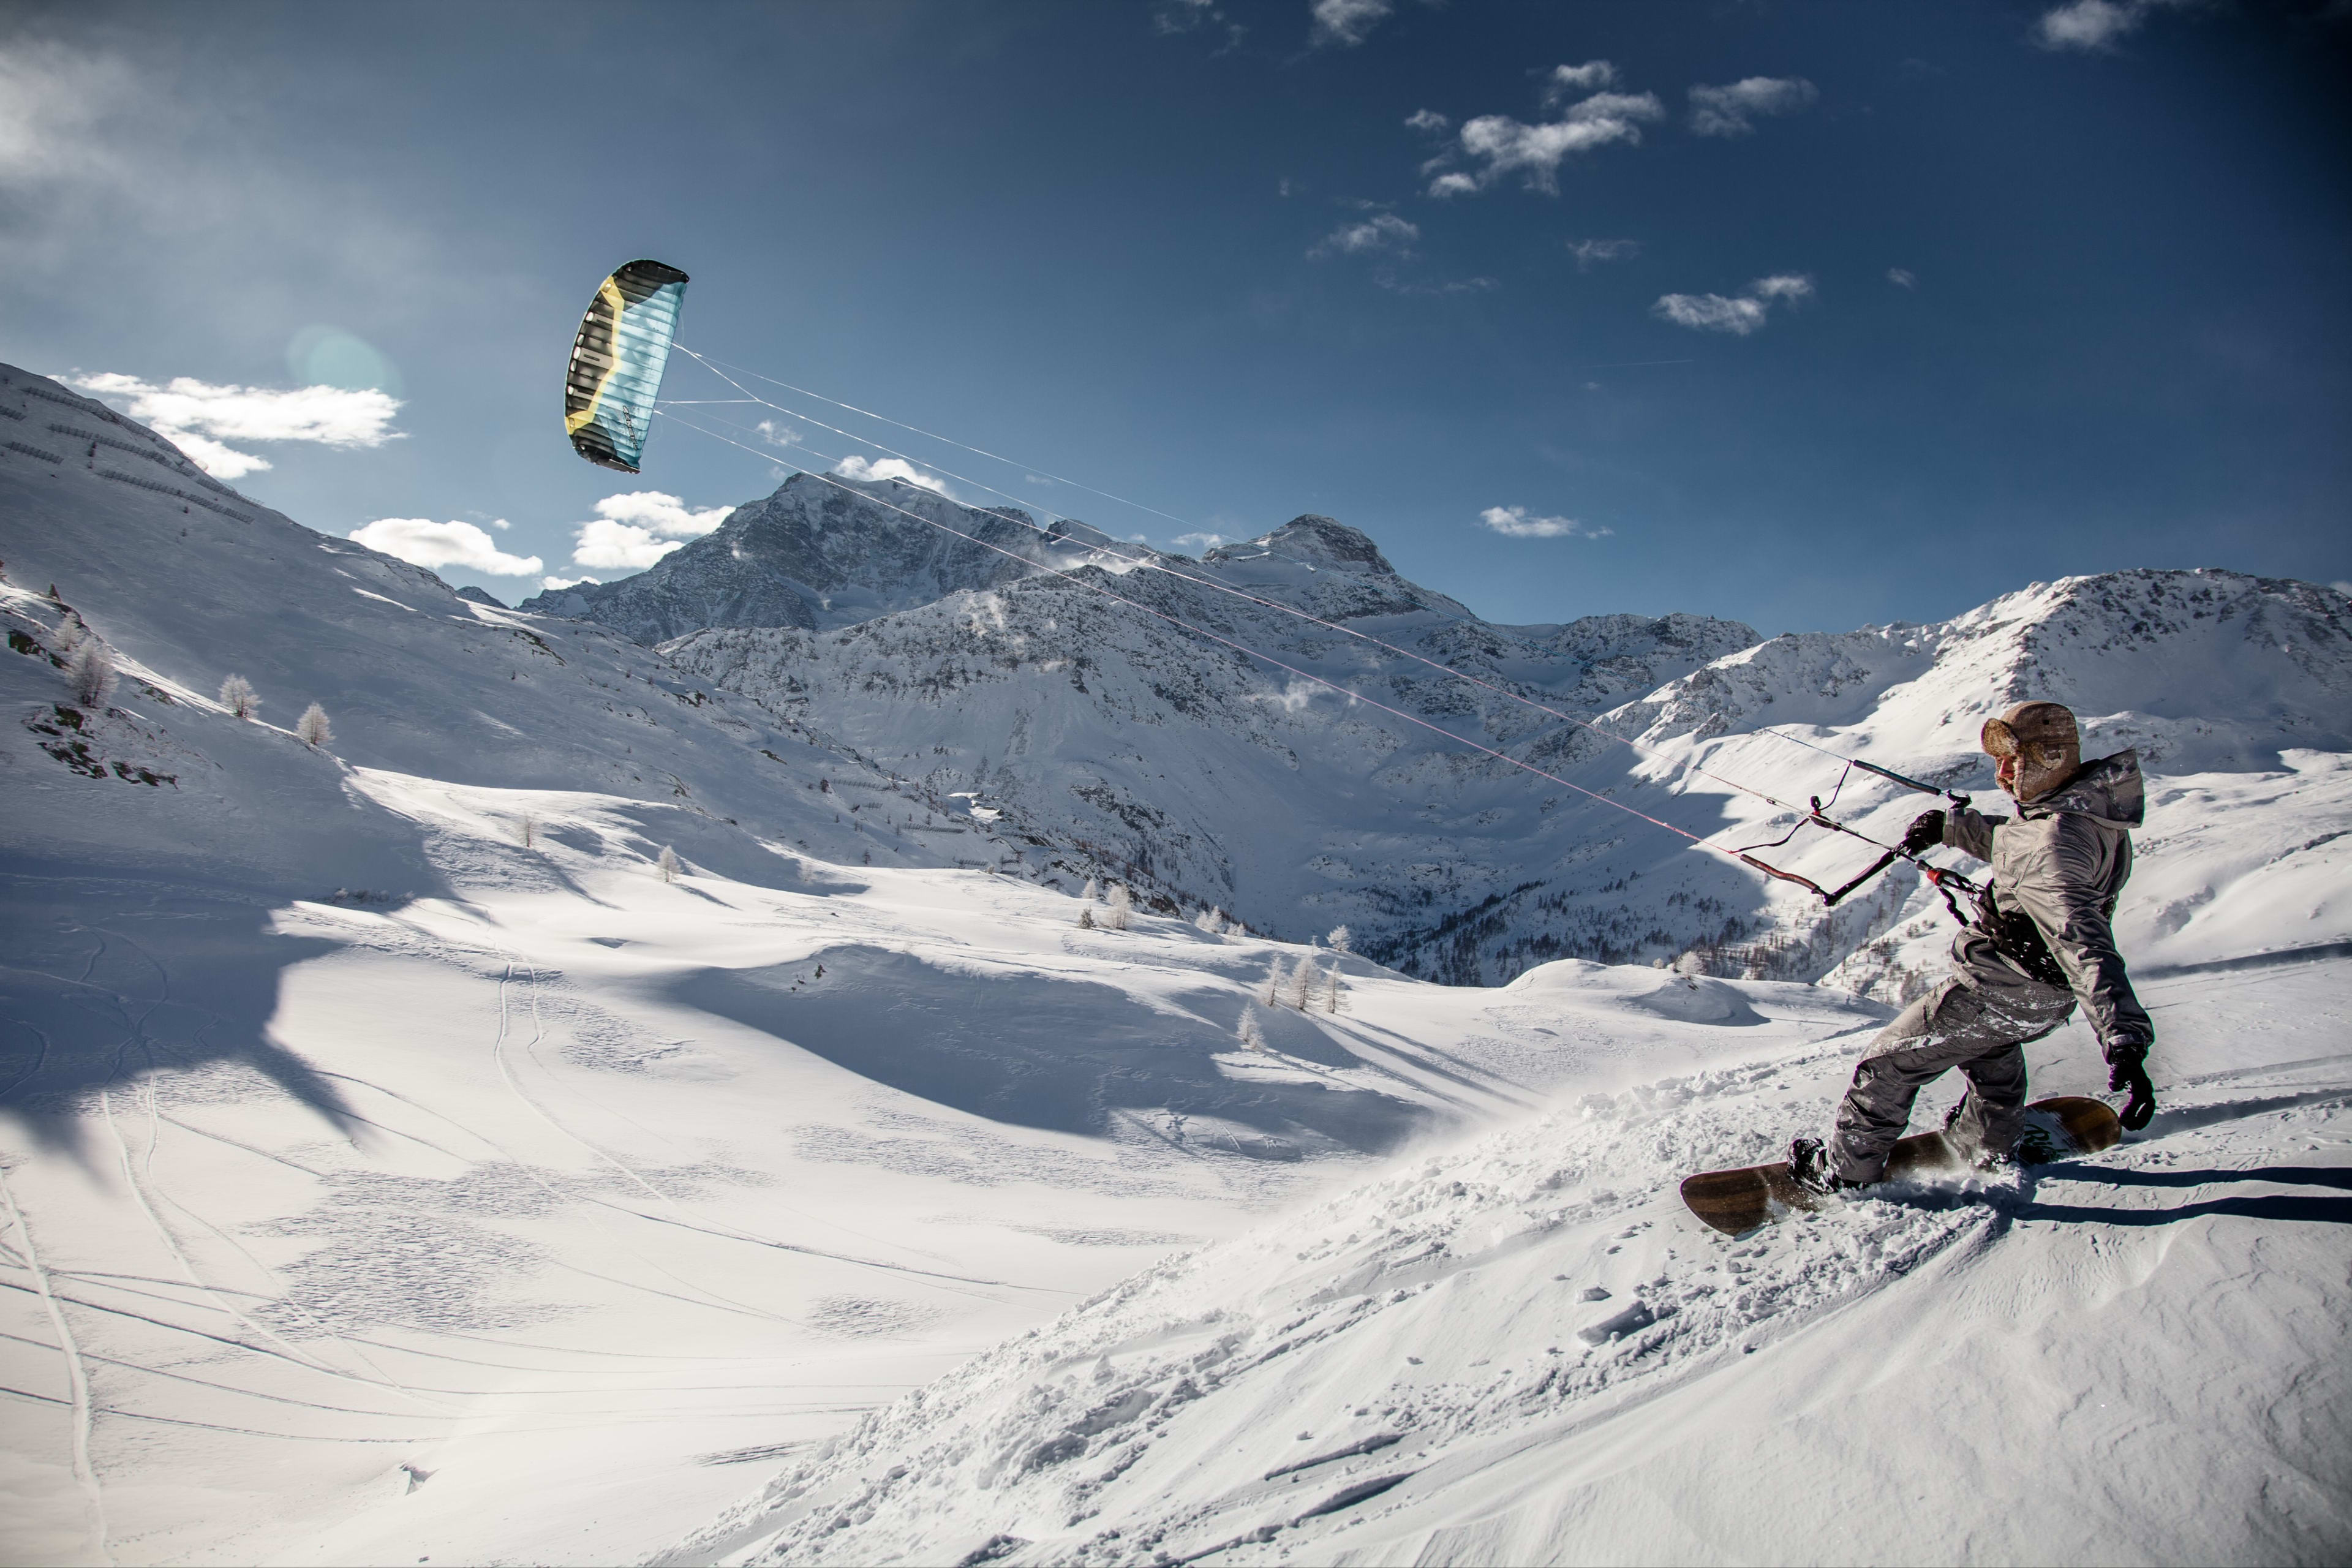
{"points": [[2042, 942]]}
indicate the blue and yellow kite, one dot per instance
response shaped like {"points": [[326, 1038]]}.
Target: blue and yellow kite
{"points": [[617, 361]]}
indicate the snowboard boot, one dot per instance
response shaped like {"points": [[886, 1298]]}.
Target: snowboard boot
{"points": [[1809, 1167]]}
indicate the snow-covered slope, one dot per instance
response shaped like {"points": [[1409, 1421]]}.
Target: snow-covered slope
{"points": [[820, 552], [396, 1161], [1525, 1350], [401, 1161], [1130, 744], [1135, 747]]}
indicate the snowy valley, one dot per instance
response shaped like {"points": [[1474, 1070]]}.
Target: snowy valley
{"points": [[640, 1086]]}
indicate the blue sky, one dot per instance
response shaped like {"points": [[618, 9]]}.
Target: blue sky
{"points": [[1806, 315]]}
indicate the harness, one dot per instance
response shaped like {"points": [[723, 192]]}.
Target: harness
{"points": [[2011, 933]]}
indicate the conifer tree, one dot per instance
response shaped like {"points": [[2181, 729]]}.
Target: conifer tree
{"points": [[1086, 916], [1253, 1037], [1091, 891], [1269, 990], [1118, 904], [1339, 939], [668, 864], [236, 695], [312, 728], [1300, 990], [90, 674]]}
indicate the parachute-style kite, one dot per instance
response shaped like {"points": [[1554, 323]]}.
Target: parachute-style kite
{"points": [[616, 362]]}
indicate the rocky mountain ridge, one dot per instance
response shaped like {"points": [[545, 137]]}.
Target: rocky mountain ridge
{"points": [[1116, 740], [821, 553]]}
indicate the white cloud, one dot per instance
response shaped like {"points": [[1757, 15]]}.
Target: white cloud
{"points": [[198, 416], [557, 585], [421, 542], [1348, 22], [1732, 108], [1197, 541], [1515, 522], [1383, 231], [1588, 251], [660, 513], [1567, 81], [2093, 23], [1739, 315], [1427, 120], [776, 434], [892, 469], [1902, 277], [1712, 312], [222, 462], [1506, 145], [618, 546]]}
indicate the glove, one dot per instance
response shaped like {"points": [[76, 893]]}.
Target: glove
{"points": [[1925, 832], [2128, 1074]]}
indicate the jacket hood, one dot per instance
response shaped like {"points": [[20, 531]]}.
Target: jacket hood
{"points": [[2106, 788]]}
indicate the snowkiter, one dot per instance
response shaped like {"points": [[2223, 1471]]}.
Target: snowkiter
{"points": [[2042, 942]]}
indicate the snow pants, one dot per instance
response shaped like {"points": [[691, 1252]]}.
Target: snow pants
{"points": [[1954, 1025]]}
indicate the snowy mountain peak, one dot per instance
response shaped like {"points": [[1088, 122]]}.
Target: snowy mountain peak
{"points": [[821, 552], [1311, 541]]}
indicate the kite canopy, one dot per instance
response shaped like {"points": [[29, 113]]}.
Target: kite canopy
{"points": [[616, 362]]}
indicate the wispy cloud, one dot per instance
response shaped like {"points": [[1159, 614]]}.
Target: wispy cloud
{"points": [[1732, 108], [1712, 312], [421, 542], [1389, 280], [199, 417], [1179, 16], [2094, 24], [1739, 314], [1502, 145], [659, 514], [892, 469], [776, 434], [1346, 22], [1382, 231], [1427, 120], [1515, 522], [1902, 277], [1199, 541], [1588, 251]]}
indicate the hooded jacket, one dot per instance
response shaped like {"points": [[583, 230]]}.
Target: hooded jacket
{"points": [[2062, 863]]}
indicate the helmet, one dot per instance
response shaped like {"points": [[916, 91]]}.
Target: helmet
{"points": [[2043, 738]]}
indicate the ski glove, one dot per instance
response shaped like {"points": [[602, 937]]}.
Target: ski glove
{"points": [[2128, 1074], [1925, 832]]}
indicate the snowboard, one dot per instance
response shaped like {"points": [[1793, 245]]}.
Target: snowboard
{"points": [[1737, 1201]]}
